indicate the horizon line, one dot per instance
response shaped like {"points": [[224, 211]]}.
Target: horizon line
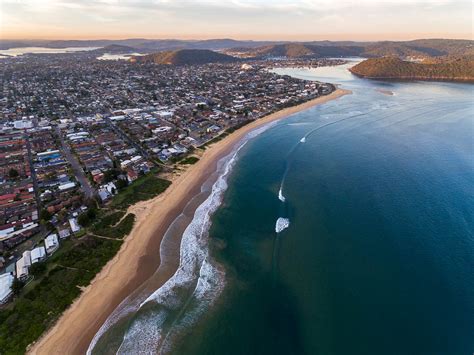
{"points": [[207, 38]]}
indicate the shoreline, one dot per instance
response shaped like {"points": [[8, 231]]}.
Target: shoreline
{"points": [[138, 259]]}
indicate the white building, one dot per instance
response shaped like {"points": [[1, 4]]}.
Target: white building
{"points": [[23, 264], [66, 186], [51, 243], [6, 282], [74, 225], [38, 254], [64, 233]]}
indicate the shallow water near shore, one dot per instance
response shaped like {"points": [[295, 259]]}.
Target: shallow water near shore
{"points": [[345, 229]]}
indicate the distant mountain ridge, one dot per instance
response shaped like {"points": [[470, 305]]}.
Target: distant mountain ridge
{"points": [[421, 48], [416, 49], [453, 69], [139, 44], [185, 57]]}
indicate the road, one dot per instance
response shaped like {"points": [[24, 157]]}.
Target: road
{"points": [[86, 187]]}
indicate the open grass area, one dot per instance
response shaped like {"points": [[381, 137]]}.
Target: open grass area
{"points": [[37, 308], [142, 189]]}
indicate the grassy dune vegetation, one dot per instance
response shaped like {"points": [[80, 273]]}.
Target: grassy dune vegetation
{"points": [[59, 280], [53, 289], [142, 189]]}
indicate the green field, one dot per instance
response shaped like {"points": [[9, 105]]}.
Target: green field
{"points": [[142, 189]]}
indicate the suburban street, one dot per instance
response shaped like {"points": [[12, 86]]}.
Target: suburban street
{"points": [[88, 190]]}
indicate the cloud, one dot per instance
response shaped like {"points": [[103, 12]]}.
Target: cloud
{"points": [[237, 17]]}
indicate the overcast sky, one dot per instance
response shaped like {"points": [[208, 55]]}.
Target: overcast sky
{"points": [[240, 19]]}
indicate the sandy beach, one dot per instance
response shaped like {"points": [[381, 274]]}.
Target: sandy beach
{"points": [[138, 258]]}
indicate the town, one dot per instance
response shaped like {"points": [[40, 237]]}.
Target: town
{"points": [[75, 132]]}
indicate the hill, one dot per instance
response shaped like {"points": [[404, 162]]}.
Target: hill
{"points": [[298, 50], [425, 48], [116, 48], [185, 57], [452, 69]]}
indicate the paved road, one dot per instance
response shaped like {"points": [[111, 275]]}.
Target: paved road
{"points": [[88, 190], [33, 174]]}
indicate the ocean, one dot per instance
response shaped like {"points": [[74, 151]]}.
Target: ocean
{"points": [[347, 228]]}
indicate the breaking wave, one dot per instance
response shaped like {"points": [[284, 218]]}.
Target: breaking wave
{"points": [[281, 224], [157, 322], [280, 194]]}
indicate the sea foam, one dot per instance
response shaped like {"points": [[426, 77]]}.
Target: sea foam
{"points": [[280, 194], [281, 224], [197, 272]]}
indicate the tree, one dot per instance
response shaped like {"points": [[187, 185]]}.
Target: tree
{"points": [[45, 215], [17, 285], [13, 173], [121, 184], [37, 269], [83, 220]]}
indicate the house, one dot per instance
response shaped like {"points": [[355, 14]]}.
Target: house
{"points": [[64, 233], [74, 225], [106, 191], [51, 243], [6, 282], [37, 255], [23, 264], [131, 175], [66, 186]]}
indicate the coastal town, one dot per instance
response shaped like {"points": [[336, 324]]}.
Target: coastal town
{"points": [[77, 135]]}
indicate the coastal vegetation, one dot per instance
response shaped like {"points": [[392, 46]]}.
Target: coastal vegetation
{"points": [[189, 160], [425, 48], [55, 283], [58, 281], [453, 69], [142, 189], [118, 231]]}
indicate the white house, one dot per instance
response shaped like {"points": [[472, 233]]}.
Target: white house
{"points": [[6, 282], [64, 233], [23, 264], [74, 225], [51, 243], [38, 254]]}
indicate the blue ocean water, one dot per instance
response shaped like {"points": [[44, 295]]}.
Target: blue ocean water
{"points": [[347, 228], [378, 257]]}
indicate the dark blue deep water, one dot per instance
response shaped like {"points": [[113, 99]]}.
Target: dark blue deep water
{"points": [[379, 254]]}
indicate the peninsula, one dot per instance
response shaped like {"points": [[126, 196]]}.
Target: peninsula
{"points": [[448, 69]]}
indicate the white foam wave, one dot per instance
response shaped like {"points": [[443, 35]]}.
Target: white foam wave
{"points": [[281, 224], [280, 195], [196, 270]]}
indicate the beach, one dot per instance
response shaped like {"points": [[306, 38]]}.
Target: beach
{"points": [[138, 259]]}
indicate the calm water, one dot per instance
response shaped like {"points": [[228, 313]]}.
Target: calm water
{"points": [[379, 254], [15, 52]]}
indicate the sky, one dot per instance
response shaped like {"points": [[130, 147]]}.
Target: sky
{"points": [[239, 19]]}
